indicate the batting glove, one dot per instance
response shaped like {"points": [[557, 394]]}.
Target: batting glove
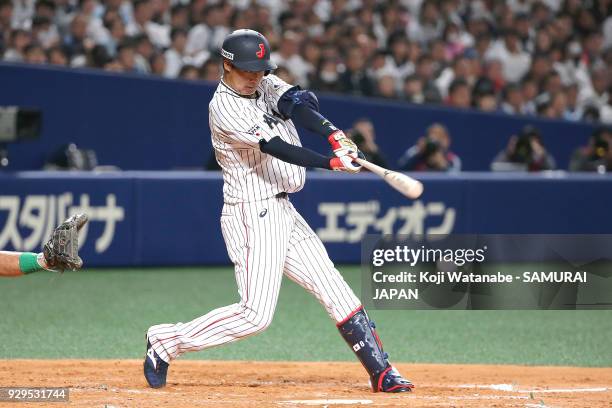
{"points": [[344, 163], [342, 145]]}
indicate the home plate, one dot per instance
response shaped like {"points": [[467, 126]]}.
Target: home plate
{"points": [[328, 402]]}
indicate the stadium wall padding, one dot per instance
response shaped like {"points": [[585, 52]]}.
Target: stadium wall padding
{"points": [[146, 123], [172, 218]]}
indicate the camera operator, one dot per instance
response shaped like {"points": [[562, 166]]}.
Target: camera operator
{"points": [[364, 136], [596, 156], [431, 153], [524, 152]]}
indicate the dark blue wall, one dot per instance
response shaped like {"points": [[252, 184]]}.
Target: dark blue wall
{"points": [[172, 218], [144, 123], [130, 121]]}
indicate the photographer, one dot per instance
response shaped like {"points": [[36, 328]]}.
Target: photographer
{"points": [[431, 153], [364, 136], [525, 152], [596, 156]]}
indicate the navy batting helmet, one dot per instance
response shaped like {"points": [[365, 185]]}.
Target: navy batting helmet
{"points": [[248, 50]]}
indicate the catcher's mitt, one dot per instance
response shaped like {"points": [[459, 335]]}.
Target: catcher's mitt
{"points": [[62, 250]]}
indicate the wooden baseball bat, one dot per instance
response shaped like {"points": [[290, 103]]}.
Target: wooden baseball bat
{"points": [[406, 185]]}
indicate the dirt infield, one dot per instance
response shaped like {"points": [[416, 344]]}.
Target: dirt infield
{"points": [[119, 383]]}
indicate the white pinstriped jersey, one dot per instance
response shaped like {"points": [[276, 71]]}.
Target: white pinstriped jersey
{"points": [[237, 124], [265, 236]]}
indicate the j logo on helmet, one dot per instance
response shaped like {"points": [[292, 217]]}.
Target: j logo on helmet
{"points": [[261, 52]]}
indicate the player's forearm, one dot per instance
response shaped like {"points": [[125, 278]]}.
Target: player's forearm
{"points": [[300, 156], [9, 264], [302, 108], [21, 263], [312, 120]]}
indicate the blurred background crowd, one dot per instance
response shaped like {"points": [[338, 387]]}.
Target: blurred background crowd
{"points": [[551, 58], [525, 151]]}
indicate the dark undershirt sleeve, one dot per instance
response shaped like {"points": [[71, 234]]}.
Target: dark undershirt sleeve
{"points": [[302, 107], [297, 155]]}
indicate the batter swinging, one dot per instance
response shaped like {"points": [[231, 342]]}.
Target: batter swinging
{"points": [[251, 119]]}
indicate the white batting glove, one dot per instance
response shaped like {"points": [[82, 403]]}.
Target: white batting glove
{"points": [[344, 163]]}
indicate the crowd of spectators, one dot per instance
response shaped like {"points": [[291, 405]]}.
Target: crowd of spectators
{"points": [[525, 151], [551, 58]]}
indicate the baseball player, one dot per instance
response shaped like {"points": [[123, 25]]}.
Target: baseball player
{"points": [[59, 253], [252, 118]]}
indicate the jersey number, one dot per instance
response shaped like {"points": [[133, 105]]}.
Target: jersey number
{"points": [[270, 120]]}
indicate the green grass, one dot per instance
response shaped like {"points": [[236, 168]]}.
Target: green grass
{"points": [[104, 314]]}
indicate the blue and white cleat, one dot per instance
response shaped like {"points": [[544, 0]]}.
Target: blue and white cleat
{"points": [[155, 369]]}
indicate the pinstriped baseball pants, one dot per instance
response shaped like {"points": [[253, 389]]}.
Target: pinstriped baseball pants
{"points": [[265, 239]]}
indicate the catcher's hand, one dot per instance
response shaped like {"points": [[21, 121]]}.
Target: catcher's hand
{"points": [[62, 250]]}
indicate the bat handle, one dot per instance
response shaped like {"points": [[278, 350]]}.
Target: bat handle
{"points": [[370, 166]]}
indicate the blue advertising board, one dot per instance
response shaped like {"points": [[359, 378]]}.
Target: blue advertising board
{"points": [[172, 218]]}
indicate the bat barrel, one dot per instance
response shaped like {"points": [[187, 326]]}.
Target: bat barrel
{"points": [[406, 185]]}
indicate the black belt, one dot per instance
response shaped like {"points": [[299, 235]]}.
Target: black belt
{"points": [[282, 195]]}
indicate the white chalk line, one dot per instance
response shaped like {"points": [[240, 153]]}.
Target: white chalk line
{"points": [[495, 387], [326, 402], [514, 388], [566, 390], [486, 397]]}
